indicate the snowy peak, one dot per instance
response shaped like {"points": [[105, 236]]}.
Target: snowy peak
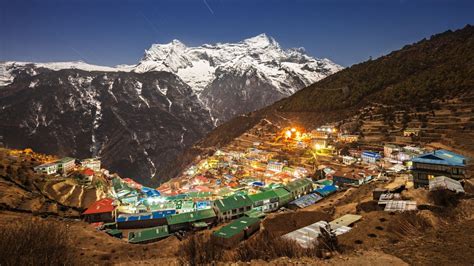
{"points": [[261, 40], [199, 66]]}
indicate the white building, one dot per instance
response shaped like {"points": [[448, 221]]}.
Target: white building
{"points": [[92, 163], [66, 164], [348, 160], [275, 166], [47, 168]]}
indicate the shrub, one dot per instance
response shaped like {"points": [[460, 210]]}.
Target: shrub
{"points": [[200, 249], [444, 197], [408, 224], [267, 246], [35, 242]]}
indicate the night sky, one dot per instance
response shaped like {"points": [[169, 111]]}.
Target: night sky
{"points": [[107, 32]]}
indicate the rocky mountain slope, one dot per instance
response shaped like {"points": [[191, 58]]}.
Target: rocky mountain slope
{"points": [[135, 122], [140, 117], [236, 78], [417, 79]]}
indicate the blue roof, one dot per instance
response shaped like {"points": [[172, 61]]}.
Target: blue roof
{"points": [[326, 190], [306, 200], [371, 154], [441, 157], [147, 216], [203, 204], [153, 193], [257, 183]]}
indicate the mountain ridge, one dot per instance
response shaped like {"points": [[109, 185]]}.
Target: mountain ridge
{"points": [[437, 68], [140, 119]]}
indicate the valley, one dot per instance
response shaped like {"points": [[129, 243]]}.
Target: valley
{"points": [[216, 148]]}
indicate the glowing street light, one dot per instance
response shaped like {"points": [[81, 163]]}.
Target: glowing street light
{"points": [[288, 134]]}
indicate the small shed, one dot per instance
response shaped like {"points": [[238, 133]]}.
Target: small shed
{"points": [[306, 200], [148, 235], [308, 235], [346, 220], [400, 205], [230, 235], [114, 232], [444, 182]]}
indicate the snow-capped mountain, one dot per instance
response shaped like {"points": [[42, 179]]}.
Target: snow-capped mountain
{"points": [[141, 117], [137, 122], [234, 78]]}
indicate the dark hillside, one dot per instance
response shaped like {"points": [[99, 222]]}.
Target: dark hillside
{"points": [[415, 75]]}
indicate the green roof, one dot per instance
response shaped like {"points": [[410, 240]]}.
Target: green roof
{"points": [[224, 191], [184, 204], [200, 194], [297, 184], [189, 217], [114, 232], [149, 234], [255, 213], [65, 160], [235, 227], [233, 202], [283, 195], [266, 195]]}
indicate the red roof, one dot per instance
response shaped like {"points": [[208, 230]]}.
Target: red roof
{"points": [[132, 183], [100, 206], [202, 188], [88, 172]]}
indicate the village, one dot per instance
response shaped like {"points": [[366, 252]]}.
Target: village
{"points": [[261, 172]]}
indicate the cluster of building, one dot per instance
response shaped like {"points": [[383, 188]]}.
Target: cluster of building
{"points": [[243, 183], [87, 167]]}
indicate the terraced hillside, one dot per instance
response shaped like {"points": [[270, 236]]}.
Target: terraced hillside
{"points": [[23, 190], [434, 75]]}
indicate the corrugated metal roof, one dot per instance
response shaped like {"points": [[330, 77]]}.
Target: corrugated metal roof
{"points": [[306, 200], [235, 227], [307, 236], [146, 216], [326, 190], [101, 206], [441, 157], [400, 205], [283, 195], [446, 183], [190, 217], [233, 202], [345, 220], [298, 183], [149, 234], [266, 195]]}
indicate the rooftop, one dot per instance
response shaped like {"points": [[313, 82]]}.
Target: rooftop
{"points": [[236, 227], [266, 195], [148, 234], [189, 217], [298, 183], [101, 206], [441, 157], [65, 160], [233, 202]]}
